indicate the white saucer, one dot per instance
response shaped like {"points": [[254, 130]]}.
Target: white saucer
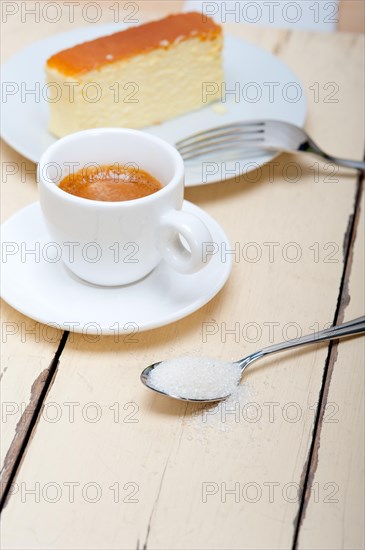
{"points": [[49, 293], [247, 68]]}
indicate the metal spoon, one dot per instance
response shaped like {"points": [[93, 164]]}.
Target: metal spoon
{"points": [[353, 327]]}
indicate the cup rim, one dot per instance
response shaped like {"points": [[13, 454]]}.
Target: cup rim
{"points": [[54, 188]]}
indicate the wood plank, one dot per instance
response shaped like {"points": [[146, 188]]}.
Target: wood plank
{"points": [[335, 508], [28, 347], [351, 16], [170, 457]]}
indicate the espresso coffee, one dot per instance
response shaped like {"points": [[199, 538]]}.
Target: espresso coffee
{"points": [[112, 183]]}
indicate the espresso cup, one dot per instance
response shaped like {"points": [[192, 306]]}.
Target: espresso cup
{"points": [[116, 243]]}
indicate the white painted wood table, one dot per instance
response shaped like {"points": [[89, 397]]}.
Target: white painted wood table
{"points": [[91, 459]]}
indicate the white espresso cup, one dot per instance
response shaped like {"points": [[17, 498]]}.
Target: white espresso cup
{"points": [[116, 243]]}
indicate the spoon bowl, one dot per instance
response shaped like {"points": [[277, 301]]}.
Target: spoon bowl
{"points": [[145, 379]]}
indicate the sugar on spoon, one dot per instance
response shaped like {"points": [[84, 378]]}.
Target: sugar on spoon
{"points": [[206, 380]]}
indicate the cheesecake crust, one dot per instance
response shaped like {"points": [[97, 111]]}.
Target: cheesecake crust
{"points": [[163, 33]]}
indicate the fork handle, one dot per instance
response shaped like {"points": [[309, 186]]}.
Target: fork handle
{"points": [[311, 147]]}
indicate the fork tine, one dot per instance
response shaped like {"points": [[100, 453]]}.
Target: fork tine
{"points": [[222, 137], [227, 145], [218, 129], [234, 140]]}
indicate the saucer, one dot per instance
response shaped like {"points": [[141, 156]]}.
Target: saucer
{"points": [[45, 289]]}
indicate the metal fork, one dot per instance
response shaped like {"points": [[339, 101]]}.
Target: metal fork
{"points": [[270, 135]]}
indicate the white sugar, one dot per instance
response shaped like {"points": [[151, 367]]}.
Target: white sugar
{"points": [[195, 377], [223, 417]]}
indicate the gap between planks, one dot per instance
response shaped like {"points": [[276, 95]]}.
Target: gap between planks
{"points": [[20, 444], [311, 464], [29, 419]]}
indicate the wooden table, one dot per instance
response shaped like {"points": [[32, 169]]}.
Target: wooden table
{"points": [[91, 459]]}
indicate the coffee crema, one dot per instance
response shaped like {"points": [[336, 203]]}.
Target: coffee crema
{"points": [[112, 183]]}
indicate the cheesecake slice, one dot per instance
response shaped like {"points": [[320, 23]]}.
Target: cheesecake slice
{"points": [[138, 77]]}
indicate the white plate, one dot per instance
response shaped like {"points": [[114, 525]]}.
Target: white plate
{"points": [[48, 292], [24, 120]]}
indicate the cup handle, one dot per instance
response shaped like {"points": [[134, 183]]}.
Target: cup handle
{"points": [[175, 224]]}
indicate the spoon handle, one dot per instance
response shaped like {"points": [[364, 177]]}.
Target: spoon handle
{"points": [[355, 326]]}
